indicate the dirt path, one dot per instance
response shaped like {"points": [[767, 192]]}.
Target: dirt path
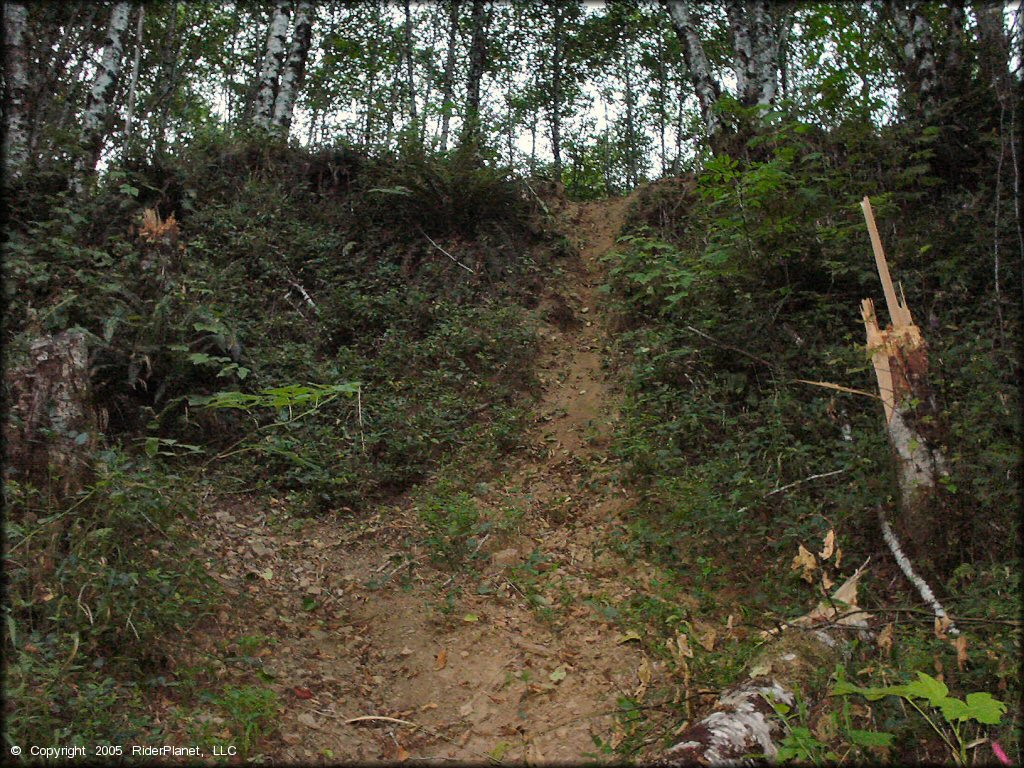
{"points": [[349, 619]]}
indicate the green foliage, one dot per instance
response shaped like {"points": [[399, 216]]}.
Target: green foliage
{"points": [[92, 587], [735, 284], [978, 707], [251, 711]]}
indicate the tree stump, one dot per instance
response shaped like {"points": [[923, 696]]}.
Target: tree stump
{"points": [[51, 426]]}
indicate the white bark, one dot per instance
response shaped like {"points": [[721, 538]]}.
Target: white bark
{"points": [[704, 84], [16, 129], [273, 60], [134, 83], [97, 105], [755, 51], [449, 72], [918, 51], [294, 68]]}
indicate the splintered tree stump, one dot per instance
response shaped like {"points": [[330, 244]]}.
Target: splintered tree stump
{"points": [[912, 419], [51, 427]]}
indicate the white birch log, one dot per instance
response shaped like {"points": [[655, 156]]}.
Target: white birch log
{"points": [[273, 60], [16, 130], [294, 68]]}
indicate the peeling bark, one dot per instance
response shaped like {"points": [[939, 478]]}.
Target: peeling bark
{"points": [[97, 106], [16, 129], [273, 61], [50, 408], [744, 722], [704, 84], [294, 69]]}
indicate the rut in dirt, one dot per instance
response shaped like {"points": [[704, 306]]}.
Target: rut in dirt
{"points": [[522, 666]]}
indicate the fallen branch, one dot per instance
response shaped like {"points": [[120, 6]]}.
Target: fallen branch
{"points": [[794, 484], [908, 570], [442, 250], [730, 347]]}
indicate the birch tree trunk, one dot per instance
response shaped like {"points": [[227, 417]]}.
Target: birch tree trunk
{"points": [[918, 53], [912, 420], [97, 105], [447, 79], [477, 63], [410, 82], [556, 101], [273, 61], [134, 82], [704, 84], [994, 48], [755, 51], [294, 69], [16, 129]]}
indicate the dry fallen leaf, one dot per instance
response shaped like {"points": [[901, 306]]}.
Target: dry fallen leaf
{"points": [[826, 582], [942, 623], [885, 639], [401, 755], [960, 643], [683, 646], [829, 545], [302, 693], [644, 671], [708, 641], [442, 659], [805, 561]]}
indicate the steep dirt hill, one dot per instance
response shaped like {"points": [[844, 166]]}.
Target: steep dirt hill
{"points": [[347, 620]]}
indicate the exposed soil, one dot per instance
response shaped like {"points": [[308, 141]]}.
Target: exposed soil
{"points": [[349, 619]]}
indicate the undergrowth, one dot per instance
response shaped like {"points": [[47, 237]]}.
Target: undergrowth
{"points": [[733, 285], [300, 325]]}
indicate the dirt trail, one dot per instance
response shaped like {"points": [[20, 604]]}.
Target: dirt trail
{"points": [[348, 619]]}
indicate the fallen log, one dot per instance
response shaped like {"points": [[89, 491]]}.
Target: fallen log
{"points": [[744, 722]]}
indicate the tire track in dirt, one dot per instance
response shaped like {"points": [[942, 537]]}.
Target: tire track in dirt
{"points": [[523, 669]]}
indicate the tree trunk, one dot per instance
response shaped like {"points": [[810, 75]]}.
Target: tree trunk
{"points": [[755, 51], [631, 148], [294, 69], [994, 45], [704, 84], [918, 53], [912, 421], [556, 103], [16, 131], [410, 82], [273, 61], [134, 83], [477, 63], [50, 410], [447, 81], [97, 106]]}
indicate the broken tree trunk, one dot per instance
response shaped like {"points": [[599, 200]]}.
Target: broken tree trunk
{"points": [[51, 427], [900, 358]]}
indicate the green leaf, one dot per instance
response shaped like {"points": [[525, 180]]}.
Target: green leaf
{"points": [[983, 708], [558, 674], [869, 738], [927, 687]]}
